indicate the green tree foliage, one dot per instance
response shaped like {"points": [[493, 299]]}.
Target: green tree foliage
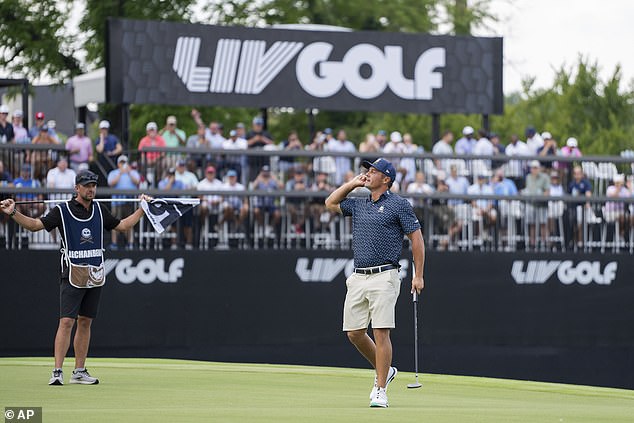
{"points": [[93, 23], [375, 15], [578, 104], [31, 40]]}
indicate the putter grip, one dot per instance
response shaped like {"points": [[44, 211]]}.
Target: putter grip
{"points": [[415, 296]]}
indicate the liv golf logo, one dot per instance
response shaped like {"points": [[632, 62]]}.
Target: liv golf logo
{"points": [[247, 67], [583, 273], [146, 270]]}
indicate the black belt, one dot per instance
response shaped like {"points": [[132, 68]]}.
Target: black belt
{"points": [[373, 270]]}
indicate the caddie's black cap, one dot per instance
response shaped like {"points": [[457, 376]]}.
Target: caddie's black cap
{"points": [[86, 177]]}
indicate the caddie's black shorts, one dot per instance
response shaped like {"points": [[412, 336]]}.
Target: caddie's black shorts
{"points": [[78, 301]]}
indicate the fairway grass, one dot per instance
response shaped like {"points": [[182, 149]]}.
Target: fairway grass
{"points": [[152, 390]]}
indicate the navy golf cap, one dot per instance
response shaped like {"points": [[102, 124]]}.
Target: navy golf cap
{"points": [[86, 177], [382, 166]]}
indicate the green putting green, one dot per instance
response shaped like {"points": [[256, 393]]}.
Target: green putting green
{"points": [[151, 390]]}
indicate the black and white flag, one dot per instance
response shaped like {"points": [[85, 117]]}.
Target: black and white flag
{"points": [[162, 212]]}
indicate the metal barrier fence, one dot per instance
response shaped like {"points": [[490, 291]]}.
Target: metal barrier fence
{"points": [[290, 220], [276, 218]]}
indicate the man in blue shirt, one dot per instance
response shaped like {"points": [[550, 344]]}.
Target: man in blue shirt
{"points": [[579, 186], [378, 226]]}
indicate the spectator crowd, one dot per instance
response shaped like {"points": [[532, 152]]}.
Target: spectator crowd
{"points": [[210, 160]]}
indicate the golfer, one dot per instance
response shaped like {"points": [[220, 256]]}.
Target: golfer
{"points": [[81, 222], [378, 226]]}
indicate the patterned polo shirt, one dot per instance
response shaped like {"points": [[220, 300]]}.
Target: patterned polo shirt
{"points": [[378, 228]]}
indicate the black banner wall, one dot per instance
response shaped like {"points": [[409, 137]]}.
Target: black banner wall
{"points": [[544, 317], [177, 63]]}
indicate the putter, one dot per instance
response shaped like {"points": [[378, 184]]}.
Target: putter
{"points": [[416, 384]]}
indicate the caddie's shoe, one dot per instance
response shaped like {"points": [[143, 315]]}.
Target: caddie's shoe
{"points": [[391, 374], [57, 378], [82, 376], [380, 399]]}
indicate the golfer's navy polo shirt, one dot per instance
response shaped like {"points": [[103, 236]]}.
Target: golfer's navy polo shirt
{"points": [[378, 228]]}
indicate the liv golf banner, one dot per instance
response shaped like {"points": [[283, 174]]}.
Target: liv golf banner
{"points": [[176, 63]]}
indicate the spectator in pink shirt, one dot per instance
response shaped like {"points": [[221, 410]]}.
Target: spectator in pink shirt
{"points": [[152, 139], [79, 147]]}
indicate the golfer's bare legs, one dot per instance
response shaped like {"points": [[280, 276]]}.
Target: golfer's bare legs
{"points": [[383, 355], [62, 340], [364, 344], [82, 340], [379, 355]]}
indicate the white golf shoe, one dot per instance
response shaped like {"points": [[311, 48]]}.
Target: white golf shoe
{"points": [[391, 374], [380, 399], [82, 377], [57, 378]]}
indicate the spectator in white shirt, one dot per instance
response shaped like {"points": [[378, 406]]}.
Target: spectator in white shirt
{"points": [[235, 162], [515, 169], [534, 141], [210, 204], [342, 163], [234, 209], [483, 147], [483, 208]]}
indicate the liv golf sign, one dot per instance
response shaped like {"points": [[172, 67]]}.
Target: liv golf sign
{"points": [[171, 63]]}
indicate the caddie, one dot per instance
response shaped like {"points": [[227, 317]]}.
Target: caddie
{"points": [[80, 222]]}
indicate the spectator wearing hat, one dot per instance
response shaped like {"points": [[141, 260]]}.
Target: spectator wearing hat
{"points": [[42, 160], [534, 141], [548, 149], [124, 177], [407, 165], [151, 139], [20, 132], [210, 203], [108, 147], [7, 134], [341, 144], [257, 138], [170, 183], [581, 211], [465, 144], [614, 211], [508, 211], [241, 130], [79, 147], [25, 180], [381, 138], [536, 212], [571, 149], [235, 210], [321, 164], [395, 146], [265, 210], [52, 129], [235, 162], [173, 136], [189, 181], [39, 122]]}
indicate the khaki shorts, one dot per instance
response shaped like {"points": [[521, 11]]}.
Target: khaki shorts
{"points": [[371, 298]]}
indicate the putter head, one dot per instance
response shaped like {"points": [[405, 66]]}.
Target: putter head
{"points": [[414, 385]]}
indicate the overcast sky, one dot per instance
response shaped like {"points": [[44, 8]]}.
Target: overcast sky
{"points": [[541, 35]]}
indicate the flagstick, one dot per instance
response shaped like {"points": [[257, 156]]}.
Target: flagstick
{"points": [[103, 200]]}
